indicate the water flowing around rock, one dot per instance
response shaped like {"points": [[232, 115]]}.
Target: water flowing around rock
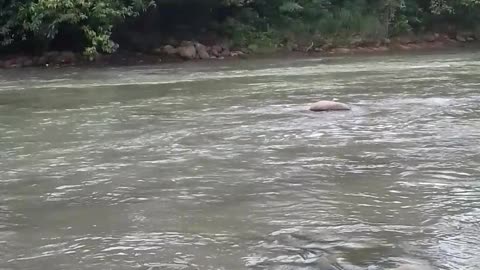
{"points": [[222, 166]]}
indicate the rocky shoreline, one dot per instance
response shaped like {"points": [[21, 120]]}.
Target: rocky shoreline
{"points": [[194, 51]]}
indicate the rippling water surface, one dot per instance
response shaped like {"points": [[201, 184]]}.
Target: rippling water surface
{"points": [[203, 166]]}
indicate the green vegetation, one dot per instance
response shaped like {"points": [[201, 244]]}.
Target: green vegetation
{"points": [[86, 25], [41, 20]]}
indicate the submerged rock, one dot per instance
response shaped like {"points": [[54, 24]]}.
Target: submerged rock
{"points": [[325, 105]]}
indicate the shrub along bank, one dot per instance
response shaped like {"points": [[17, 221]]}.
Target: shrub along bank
{"points": [[65, 31]]}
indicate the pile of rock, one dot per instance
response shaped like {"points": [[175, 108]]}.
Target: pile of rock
{"points": [[402, 43], [187, 50], [49, 58], [194, 50]]}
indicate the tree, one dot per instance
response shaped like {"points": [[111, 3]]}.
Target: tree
{"points": [[43, 19]]}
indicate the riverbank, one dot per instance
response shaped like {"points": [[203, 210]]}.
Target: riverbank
{"points": [[194, 51]]}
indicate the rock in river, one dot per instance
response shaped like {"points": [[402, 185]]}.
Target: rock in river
{"points": [[325, 105]]}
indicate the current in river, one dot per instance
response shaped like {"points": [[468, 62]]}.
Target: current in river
{"points": [[221, 166]]}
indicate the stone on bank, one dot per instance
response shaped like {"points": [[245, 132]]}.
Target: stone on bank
{"points": [[187, 52]]}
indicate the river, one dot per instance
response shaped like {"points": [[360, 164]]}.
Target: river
{"points": [[220, 165]]}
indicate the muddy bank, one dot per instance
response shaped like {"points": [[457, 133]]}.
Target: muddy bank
{"points": [[195, 51]]}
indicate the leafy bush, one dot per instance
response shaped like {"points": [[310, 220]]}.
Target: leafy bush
{"points": [[43, 19], [400, 26], [263, 23]]}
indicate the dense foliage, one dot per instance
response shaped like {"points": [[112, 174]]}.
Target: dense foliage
{"points": [[265, 23], [41, 20]]}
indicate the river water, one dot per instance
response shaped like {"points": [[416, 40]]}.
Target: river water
{"points": [[221, 165]]}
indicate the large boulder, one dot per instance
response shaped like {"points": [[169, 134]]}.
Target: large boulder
{"points": [[225, 52], [325, 105], [169, 49], [216, 50], [188, 52], [202, 51], [186, 43], [461, 38]]}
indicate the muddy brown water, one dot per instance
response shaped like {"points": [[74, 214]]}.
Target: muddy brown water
{"points": [[220, 165]]}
